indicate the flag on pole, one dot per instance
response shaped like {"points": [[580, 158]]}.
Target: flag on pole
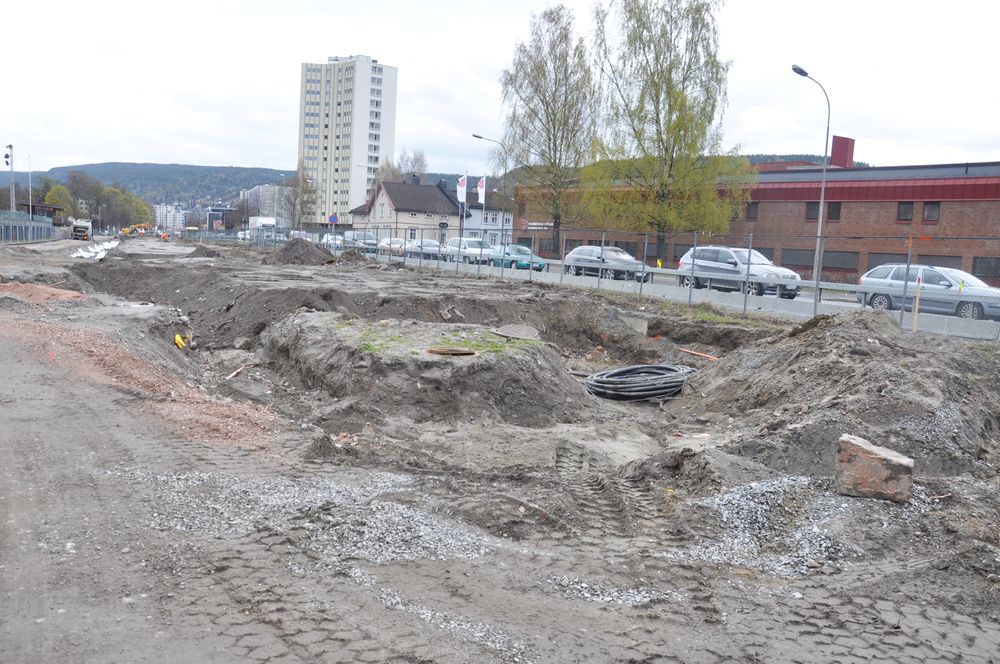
{"points": [[460, 189], [481, 188]]}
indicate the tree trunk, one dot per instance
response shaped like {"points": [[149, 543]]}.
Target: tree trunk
{"points": [[661, 247], [556, 245]]}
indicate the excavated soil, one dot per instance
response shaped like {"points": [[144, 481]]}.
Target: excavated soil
{"points": [[299, 252], [400, 505]]}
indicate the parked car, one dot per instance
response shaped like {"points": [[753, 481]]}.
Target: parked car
{"points": [[607, 262], [332, 241], [299, 235], [517, 256], [361, 240], [392, 246], [943, 290], [733, 268], [425, 249], [466, 250]]}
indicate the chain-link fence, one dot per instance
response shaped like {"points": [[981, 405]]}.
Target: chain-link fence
{"points": [[940, 284]]}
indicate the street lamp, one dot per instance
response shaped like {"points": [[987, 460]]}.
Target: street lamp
{"points": [[817, 262], [506, 165], [9, 158]]}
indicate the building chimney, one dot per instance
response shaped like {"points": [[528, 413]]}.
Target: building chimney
{"points": [[842, 152]]}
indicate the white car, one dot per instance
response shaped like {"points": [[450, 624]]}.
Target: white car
{"points": [[332, 241], [466, 250]]}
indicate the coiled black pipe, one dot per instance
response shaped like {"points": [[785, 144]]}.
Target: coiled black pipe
{"points": [[642, 382]]}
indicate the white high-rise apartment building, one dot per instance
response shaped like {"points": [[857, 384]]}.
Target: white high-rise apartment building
{"points": [[347, 128], [168, 216]]}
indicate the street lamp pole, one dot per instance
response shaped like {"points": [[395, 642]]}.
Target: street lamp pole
{"points": [[818, 259], [506, 164], [10, 162]]}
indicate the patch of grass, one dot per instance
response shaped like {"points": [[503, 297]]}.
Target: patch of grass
{"points": [[372, 341], [485, 342], [706, 312]]}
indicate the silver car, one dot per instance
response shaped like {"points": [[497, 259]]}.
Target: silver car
{"points": [[943, 290], [733, 268], [425, 249], [606, 262]]}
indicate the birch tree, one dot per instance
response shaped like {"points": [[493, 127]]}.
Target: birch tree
{"points": [[658, 164], [550, 97]]}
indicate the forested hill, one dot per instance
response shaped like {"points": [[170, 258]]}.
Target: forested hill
{"points": [[168, 183]]}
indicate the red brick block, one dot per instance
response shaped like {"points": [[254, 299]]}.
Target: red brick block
{"points": [[869, 471]]}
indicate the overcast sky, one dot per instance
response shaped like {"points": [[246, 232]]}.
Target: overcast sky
{"points": [[216, 82]]}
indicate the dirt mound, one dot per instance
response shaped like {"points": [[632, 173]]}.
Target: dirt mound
{"points": [[37, 294], [518, 381], [201, 251], [299, 252], [351, 257], [928, 397]]}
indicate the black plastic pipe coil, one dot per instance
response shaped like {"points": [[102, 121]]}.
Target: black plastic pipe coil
{"points": [[642, 382]]}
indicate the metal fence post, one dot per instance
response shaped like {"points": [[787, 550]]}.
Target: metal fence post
{"points": [[645, 249], [600, 268], [562, 262], [906, 278], [746, 282], [534, 250], [694, 250]]}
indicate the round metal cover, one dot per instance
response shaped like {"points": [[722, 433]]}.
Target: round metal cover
{"points": [[517, 332]]}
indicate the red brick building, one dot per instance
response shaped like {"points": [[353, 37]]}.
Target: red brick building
{"points": [[945, 214]]}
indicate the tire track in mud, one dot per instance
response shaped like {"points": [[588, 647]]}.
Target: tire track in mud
{"points": [[604, 501]]}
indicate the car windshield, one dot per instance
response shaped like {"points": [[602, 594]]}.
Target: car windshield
{"points": [[474, 244], [757, 257], [964, 278], [519, 250]]}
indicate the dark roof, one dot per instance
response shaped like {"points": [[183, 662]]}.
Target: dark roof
{"points": [[931, 172], [426, 198]]}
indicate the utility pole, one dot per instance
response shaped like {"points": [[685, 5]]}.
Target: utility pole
{"points": [[9, 157]]}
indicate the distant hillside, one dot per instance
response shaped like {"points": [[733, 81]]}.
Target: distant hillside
{"points": [[167, 183], [811, 158]]}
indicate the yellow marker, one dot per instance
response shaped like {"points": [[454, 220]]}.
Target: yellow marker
{"points": [[178, 341], [659, 262]]}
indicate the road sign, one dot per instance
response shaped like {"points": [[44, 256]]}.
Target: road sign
{"points": [[333, 218], [524, 224]]}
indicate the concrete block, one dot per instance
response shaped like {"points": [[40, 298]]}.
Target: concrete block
{"points": [[869, 471]]}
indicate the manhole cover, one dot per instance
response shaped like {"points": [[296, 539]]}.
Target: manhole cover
{"points": [[451, 351], [517, 332]]}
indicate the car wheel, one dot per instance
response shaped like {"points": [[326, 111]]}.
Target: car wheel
{"points": [[881, 302], [969, 310], [491, 263], [690, 282], [578, 271], [753, 288]]}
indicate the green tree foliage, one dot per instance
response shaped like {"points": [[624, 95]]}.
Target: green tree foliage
{"points": [[550, 96], [87, 193], [123, 208], [658, 163], [59, 195]]}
